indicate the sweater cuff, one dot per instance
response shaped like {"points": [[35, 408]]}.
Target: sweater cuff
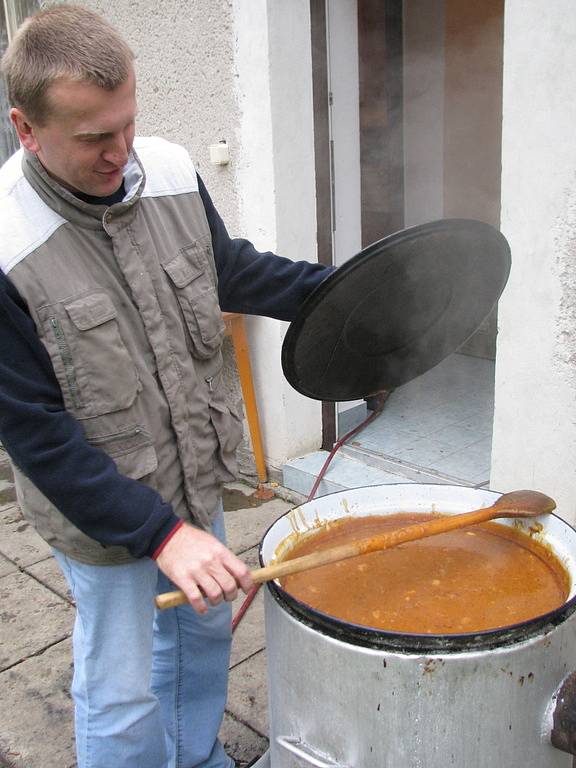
{"points": [[179, 523]]}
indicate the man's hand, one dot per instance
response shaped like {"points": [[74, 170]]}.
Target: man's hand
{"points": [[201, 566]]}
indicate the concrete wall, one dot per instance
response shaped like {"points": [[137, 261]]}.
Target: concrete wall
{"points": [[241, 71], [186, 80], [423, 111], [535, 413], [276, 179]]}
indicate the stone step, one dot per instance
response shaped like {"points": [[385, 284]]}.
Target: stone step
{"points": [[354, 467], [300, 474]]}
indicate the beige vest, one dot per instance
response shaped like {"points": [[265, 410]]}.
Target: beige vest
{"points": [[125, 301]]}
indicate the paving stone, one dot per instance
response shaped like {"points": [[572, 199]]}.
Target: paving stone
{"points": [[37, 733], [48, 573], [240, 742], [7, 489], [246, 527], [37, 711], [19, 541], [250, 634], [248, 693], [6, 566], [33, 618]]}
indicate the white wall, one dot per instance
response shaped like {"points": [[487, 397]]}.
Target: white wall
{"points": [[241, 71], [186, 83], [277, 191], [535, 413]]}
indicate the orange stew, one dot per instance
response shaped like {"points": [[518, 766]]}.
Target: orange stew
{"points": [[474, 579]]}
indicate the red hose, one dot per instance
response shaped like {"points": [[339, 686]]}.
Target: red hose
{"points": [[376, 412]]}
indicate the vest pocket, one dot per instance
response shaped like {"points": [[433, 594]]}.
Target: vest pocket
{"points": [[93, 365], [195, 289], [131, 448], [228, 428]]}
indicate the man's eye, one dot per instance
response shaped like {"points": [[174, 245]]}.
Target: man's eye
{"points": [[90, 139]]}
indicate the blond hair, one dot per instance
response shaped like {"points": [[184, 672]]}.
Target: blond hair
{"points": [[57, 42]]}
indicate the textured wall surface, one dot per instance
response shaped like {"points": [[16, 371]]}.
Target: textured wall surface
{"points": [[276, 177], [564, 233], [535, 414], [186, 85], [241, 71], [187, 94]]}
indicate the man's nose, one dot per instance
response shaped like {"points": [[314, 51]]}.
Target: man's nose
{"points": [[117, 151]]}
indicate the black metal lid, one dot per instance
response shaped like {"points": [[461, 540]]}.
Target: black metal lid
{"points": [[396, 309]]}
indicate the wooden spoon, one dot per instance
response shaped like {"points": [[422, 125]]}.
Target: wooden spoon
{"points": [[514, 504]]}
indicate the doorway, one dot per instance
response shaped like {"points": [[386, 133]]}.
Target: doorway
{"points": [[414, 93]]}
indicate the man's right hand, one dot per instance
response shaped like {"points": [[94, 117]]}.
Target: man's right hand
{"points": [[201, 566]]}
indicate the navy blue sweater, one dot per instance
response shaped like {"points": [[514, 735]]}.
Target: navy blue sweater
{"points": [[47, 443]]}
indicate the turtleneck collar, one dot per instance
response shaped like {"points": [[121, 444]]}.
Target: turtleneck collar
{"points": [[74, 209]]}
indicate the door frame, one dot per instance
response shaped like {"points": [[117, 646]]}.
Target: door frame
{"points": [[323, 158]]}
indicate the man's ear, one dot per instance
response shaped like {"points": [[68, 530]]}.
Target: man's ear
{"points": [[25, 130]]}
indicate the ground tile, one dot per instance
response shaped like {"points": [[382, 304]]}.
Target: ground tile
{"points": [[33, 618], [7, 489], [19, 542], [240, 742], [248, 693], [6, 566], [424, 451], [384, 440], [460, 436], [245, 527], [37, 712], [250, 634], [48, 573], [468, 463]]}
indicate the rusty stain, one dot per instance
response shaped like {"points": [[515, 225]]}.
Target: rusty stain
{"points": [[431, 665]]}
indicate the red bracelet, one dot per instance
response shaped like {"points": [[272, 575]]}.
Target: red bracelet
{"points": [[159, 549]]}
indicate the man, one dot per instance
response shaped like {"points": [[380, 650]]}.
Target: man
{"points": [[114, 271]]}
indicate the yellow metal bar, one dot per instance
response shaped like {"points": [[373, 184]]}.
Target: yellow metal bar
{"points": [[235, 328]]}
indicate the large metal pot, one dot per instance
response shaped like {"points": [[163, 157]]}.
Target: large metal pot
{"points": [[346, 696]]}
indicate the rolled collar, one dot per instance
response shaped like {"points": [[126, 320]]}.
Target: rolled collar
{"points": [[76, 211]]}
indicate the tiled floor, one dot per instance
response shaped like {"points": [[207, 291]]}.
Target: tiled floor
{"points": [[441, 422]]}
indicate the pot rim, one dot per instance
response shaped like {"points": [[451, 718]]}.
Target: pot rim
{"points": [[371, 637]]}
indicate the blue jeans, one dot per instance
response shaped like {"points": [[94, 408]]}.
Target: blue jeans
{"points": [[149, 686]]}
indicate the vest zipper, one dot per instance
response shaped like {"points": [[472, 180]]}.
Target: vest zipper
{"points": [[67, 361], [114, 438], [209, 381]]}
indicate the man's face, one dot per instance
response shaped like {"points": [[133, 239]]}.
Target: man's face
{"points": [[85, 142]]}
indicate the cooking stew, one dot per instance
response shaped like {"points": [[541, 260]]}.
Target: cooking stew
{"points": [[473, 579]]}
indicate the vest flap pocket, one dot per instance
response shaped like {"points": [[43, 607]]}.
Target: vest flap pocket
{"points": [[181, 271], [131, 448], [227, 425], [195, 288], [91, 311], [91, 359], [138, 464]]}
